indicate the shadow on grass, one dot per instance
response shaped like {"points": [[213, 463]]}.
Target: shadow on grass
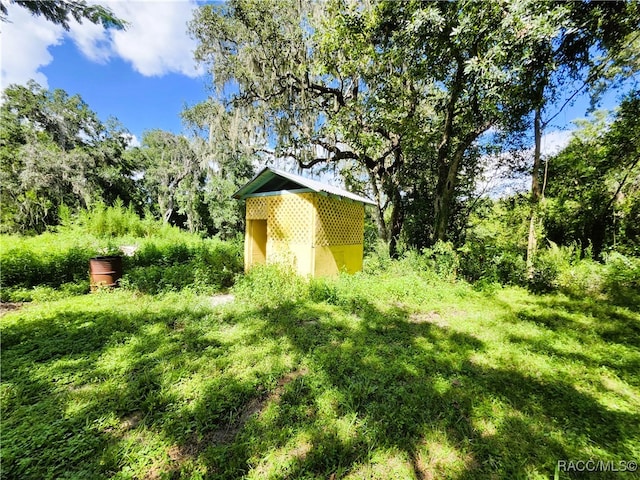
{"points": [[393, 381], [607, 335], [81, 387], [326, 391]]}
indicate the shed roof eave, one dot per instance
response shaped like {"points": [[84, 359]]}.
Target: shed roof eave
{"points": [[268, 173]]}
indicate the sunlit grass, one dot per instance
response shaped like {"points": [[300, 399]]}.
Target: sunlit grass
{"points": [[393, 375]]}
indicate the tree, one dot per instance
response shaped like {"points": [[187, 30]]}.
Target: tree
{"points": [[54, 151], [389, 87], [595, 197], [172, 175], [595, 46], [465, 68], [60, 12], [227, 164], [400, 93]]}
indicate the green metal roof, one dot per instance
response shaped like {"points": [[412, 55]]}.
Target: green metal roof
{"points": [[273, 180]]}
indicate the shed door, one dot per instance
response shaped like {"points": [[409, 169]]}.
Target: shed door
{"points": [[258, 232]]}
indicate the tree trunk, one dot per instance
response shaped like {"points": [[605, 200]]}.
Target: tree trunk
{"points": [[444, 197], [445, 189], [166, 208], [535, 193], [446, 181], [383, 231], [397, 219]]}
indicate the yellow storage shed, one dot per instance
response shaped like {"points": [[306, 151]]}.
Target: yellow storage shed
{"points": [[316, 228]]}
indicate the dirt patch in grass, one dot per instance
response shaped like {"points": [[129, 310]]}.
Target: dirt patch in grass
{"points": [[222, 299], [6, 307], [130, 421], [433, 318], [155, 473]]}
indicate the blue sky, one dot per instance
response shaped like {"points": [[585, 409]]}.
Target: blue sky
{"points": [[145, 75], [139, 102]]}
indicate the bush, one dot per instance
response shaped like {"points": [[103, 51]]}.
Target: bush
{"points": [[217, 264], [161, 255], [622, 278], [485, 262], [156, 279], [545, 273], [44, 293], [584, 277], [377, 259], [445, 260], [115, 221], [20, 267], [272, 286], [208, 266], [173, 262], [510, 268]]}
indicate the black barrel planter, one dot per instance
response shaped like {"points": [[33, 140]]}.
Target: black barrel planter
{"points": [[105, 271]]}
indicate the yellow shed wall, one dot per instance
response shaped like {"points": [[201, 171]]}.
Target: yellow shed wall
{"points": [[290, 231], [338, 221], [298, 256], [339, 236], [315, 234], [334, 259]]}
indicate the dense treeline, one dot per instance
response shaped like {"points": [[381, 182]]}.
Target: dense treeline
{"points": [[57, 156], [594, 185], [405, 98]]}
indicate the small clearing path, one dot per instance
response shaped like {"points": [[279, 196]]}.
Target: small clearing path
{"points": [[6, 307], [222, 299]]}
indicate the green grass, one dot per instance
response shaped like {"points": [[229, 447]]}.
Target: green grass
{"points": [[394, 375]]}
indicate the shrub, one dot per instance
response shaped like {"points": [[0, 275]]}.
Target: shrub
{"points": [[584, 277], [24, 268], [116, 221], [217, 265], [622, 278], [443, 259], [42, 293], [207, 266], [377, 259], [272, 286], [323, 289], [545, 273], [161, 254], [510, 268], [156, 279], [162, 263]]}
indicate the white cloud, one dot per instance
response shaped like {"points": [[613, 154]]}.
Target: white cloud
{"points": [[25, 46], [155, 42], [132, 140], [92, 40], [553, 142], [499, 180]]}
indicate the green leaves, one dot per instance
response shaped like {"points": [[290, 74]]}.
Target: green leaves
{"points": [[594, 183], [401, 91], [60, 12], [55, 151]]}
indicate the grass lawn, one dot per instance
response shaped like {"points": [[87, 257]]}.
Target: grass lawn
{"points": [[389, 376]]}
